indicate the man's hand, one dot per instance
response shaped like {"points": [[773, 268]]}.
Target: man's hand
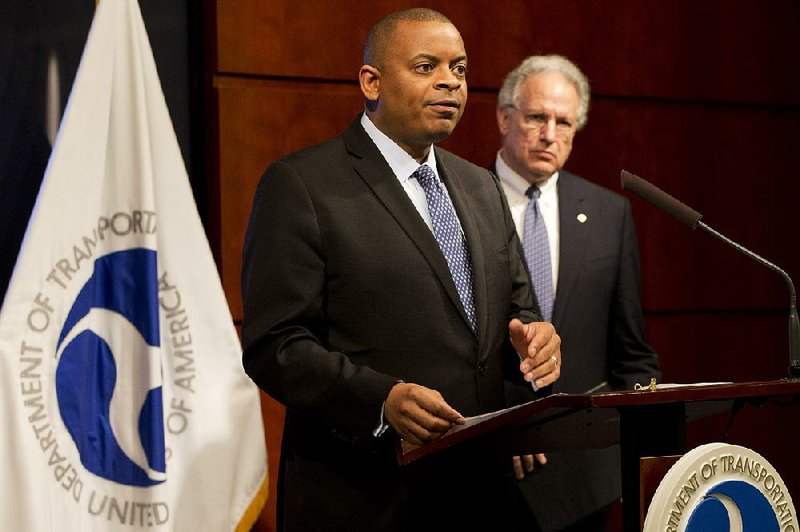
{"points": [[539, 347], [419, 414], [527, 463]]}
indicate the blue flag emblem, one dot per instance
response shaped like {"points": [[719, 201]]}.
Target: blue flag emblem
{"points": [[108, 378]]}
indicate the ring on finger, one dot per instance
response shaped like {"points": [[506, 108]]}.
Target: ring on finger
{"points": [[555, 361]]}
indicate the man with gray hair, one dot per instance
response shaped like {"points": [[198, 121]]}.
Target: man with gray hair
{"points": [[583, 260]]}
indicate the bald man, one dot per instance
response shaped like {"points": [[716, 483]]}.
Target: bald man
{"points": [[385, 297]]}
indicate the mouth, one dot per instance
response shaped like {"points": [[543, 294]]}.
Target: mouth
{"points": [[543, 154], [447, 107]]}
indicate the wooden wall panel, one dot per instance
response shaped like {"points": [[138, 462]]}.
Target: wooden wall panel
{"points": [[260, 122], [701, 98], [316, 39], [721, 346], [711, 51], [272, 413]]}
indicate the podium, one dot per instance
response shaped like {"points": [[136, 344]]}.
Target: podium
{"points": [[650, 422]]}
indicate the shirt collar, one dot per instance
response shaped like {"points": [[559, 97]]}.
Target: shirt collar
{"points": [[519, 183], [401, 163]]}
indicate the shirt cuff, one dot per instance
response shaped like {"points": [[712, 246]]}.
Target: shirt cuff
{"points": [[533, 382], [382, 426]]}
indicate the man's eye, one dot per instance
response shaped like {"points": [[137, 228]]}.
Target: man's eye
{"points": [[424, 68], [536, 118], [460, 70]]}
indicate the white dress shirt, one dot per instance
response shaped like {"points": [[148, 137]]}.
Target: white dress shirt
{"points": [[514, 185], [403, 166]]}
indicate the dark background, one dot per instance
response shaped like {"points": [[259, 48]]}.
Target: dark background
{"points": [[33, 31], [701, 98]]}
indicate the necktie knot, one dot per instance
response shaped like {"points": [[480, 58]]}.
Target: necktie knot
{"points": [[424, 175], [533, 192]]}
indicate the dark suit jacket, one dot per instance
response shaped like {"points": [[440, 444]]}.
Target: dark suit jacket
{"points": [[597, 312], [597, 309], [346, 292]]}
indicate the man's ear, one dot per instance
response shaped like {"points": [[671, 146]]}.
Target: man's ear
{"points": [[503, 117], [369, 79]]}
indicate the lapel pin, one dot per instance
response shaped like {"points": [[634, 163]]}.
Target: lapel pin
{"points": [[582, 218]]}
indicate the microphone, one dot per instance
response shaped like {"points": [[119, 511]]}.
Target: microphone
{"points": [[693, 219]]}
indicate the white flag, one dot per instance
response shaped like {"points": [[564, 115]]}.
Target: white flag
{"points": [[124, 403]]}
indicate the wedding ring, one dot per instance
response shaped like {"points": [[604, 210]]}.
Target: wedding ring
{"points": [[555, 360]]}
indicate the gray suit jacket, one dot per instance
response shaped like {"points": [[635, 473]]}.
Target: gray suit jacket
{"points": [[346, 292]]}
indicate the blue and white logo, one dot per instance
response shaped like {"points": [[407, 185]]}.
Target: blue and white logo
{"points": [[733, 505], [108, 378], [721, 487]]}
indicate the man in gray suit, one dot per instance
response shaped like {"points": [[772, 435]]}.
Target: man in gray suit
{"points": [[385, 297], [583, 260]]}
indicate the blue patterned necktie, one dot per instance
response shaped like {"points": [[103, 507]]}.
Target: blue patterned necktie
{"points": [[537, 254], [448, 234]]}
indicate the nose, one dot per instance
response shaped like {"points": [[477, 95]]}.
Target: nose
{"points": [[547, 133], [448, 81]]}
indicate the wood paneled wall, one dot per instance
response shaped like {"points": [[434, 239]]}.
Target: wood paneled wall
{"points": [[701, 98]]}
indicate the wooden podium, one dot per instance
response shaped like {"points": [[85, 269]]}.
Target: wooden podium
{"points": [[646, 423]]}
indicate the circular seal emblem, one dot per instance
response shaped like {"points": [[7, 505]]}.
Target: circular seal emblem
{"points": [[721, 487]]}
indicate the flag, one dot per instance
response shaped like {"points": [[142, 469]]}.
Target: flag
{"points": [[124, 403]]}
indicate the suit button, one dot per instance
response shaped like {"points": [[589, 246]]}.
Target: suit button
{"points": [[481, 370]]}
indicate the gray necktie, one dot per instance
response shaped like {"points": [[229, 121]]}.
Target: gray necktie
{"points": [[448, 234], [537, 254]]}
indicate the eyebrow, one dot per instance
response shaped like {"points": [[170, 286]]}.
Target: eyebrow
{"points": [[435, 59], [530, 111]]}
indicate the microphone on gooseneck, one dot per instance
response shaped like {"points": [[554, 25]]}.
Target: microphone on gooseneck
{"points": [[688, 216]]}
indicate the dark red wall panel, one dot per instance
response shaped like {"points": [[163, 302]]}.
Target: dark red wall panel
{"points": [[701, 98]]}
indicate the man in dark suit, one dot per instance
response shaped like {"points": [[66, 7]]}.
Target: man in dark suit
{"points": [[385, 296], [589, 288]]}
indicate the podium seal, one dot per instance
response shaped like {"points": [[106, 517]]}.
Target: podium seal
{"points": [[721, 487]]}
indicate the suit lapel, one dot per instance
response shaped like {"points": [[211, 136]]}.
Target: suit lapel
{"points": [[573, 242], [378, 176]]}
